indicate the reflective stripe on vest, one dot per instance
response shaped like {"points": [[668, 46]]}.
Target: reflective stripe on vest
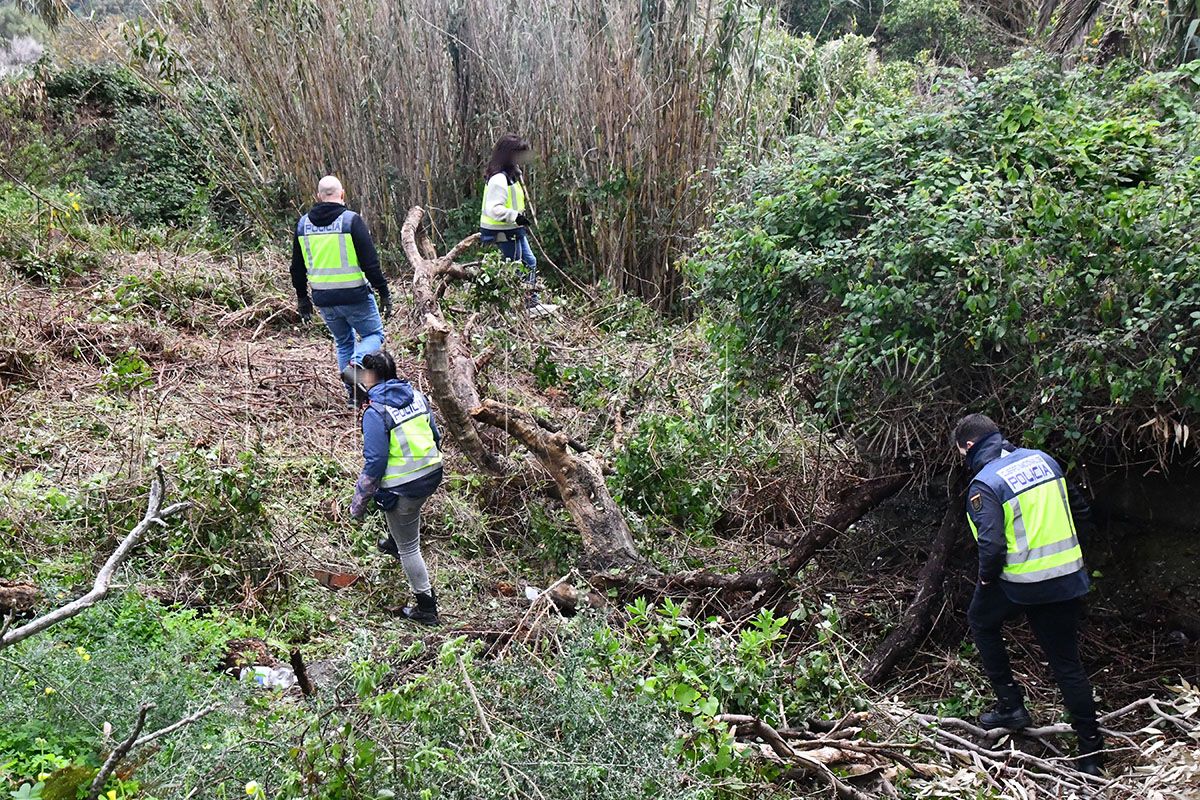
{"points": [[412, 451], [514, 200], [1038, 526], [329, 255]]}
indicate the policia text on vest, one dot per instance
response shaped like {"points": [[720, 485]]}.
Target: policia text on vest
{"points": [[1038, 528], [330, 259]]}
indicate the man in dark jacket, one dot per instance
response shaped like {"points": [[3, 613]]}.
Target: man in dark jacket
{"points": [[333, 252], [1025, 517]]}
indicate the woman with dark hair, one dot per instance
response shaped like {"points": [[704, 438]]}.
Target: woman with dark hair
{"points": [[402, 467], [503, 219]]}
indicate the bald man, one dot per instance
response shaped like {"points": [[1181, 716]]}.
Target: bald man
{"points": [[333, 253]]}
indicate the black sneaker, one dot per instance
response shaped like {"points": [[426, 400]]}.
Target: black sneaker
{"points": [[387, 546], [1014, 718]]}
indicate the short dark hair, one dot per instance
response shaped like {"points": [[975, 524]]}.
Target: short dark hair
{"points": [[382, 364], [972, 428]]}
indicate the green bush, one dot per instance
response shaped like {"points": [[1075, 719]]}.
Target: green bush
{"points": [[663, 473], [103, 88], [147, 158], [558, 735], [1024, 245], [58, 689], [946, 29]]}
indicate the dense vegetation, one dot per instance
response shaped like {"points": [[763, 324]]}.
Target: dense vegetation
{"points": [[793, 244], [1024, 244]]}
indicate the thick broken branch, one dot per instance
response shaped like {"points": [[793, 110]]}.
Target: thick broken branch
{"points": [[919, 616], [448, 359], [451, 371], [607, 541], [155, 515], [767, 586]]}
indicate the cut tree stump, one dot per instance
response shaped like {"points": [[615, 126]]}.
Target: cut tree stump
{"points": [[17, 598]]}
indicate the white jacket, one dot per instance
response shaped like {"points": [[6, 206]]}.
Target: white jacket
{"points": [[495, 195]]}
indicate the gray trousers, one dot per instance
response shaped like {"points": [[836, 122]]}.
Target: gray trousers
{"points": [[404, 525]]}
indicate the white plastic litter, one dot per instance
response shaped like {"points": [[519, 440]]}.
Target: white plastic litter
{"points": [[269, 677], [532, 593]]}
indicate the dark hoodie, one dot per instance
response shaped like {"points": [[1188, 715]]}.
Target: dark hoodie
{"points": [[368, 259], [993, 547], [377, 440]]}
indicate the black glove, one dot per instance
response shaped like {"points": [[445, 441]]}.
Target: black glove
{"points": [[305, 309], [385, 306], [524, 221]]}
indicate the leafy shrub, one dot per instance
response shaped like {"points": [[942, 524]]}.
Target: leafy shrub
{"points": [[148, 158], [103, 87], [556, 735], [108, 661], [1025, 245], [944, 28], [223, 542], [662, 473]]}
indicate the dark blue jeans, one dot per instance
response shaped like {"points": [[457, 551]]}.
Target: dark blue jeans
{"points": [[356, 329]]}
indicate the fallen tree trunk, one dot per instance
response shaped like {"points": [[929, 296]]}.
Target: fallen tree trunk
{"points": [[452, 368], [918, 617], [607, 541], [448, 360]]}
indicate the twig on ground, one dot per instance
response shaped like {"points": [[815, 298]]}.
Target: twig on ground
{"points": [[122, 750]]}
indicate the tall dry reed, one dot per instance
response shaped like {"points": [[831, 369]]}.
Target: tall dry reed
{"points": [[628, 104]]}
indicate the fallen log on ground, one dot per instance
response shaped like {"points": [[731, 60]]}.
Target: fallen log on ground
{"points": [[607, 541], [769, 586], [452, 369], [918, 617]]}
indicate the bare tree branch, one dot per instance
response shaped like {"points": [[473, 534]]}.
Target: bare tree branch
{"points": [[114, 758], [174, 726], [155, 515]]}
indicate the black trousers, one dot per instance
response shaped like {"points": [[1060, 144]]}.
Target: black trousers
{"points": [[1056, 626]]}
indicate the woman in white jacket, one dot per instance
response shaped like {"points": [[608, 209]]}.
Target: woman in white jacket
{"points": [[503, 219]]}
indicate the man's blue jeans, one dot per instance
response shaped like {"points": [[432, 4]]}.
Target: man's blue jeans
{"points": [[357, 330]]}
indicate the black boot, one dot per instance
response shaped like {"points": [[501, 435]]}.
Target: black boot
{"points": [[1009, 711], [1091, 756], [425, 612]]}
